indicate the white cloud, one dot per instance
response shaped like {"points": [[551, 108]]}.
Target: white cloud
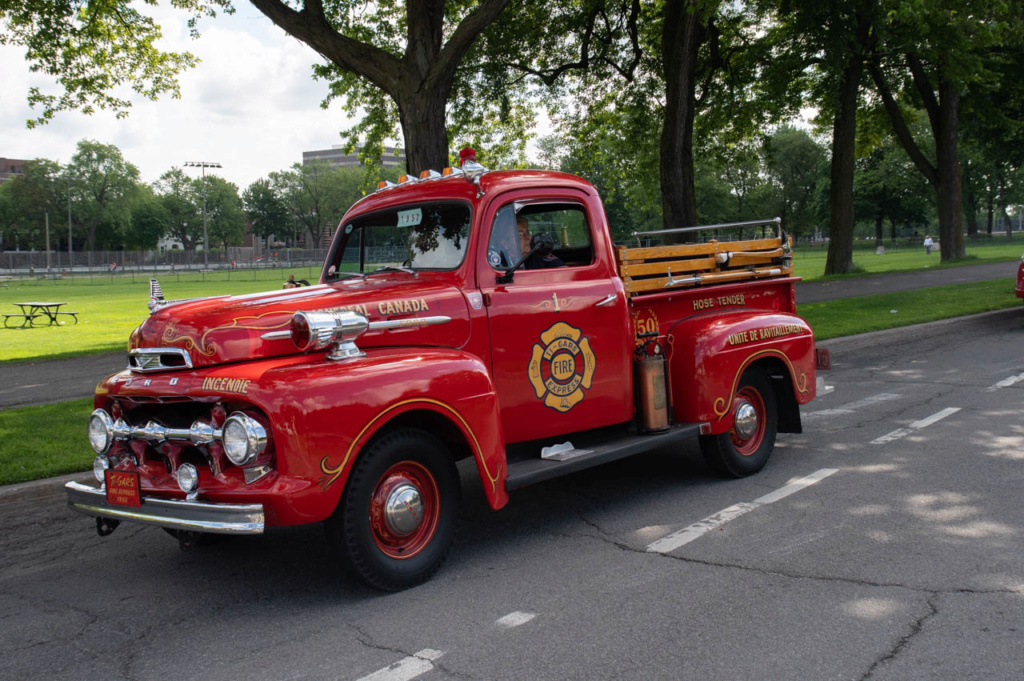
{"points": [[251, 105]]}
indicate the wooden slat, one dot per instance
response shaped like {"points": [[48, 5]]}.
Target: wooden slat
{"points": [[744, 258], [671, 251], [750, 245], [658, 284], [649, 268]]}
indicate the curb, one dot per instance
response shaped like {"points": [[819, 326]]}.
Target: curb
{"points": [[878, 337]]}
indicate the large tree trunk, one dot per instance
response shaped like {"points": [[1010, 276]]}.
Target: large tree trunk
{"points": [[944, 176], [418, 83], [844, 135], [681, 37], [950, 195], [422, 115]]}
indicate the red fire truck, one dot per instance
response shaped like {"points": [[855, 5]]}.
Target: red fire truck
{"points": [[468, 314]]}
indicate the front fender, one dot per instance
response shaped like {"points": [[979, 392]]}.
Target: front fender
{"points": [[325, 412], [709, 353]]}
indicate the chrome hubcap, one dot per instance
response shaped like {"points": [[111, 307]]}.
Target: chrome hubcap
{"points": [[403, 510], [745, 421]]}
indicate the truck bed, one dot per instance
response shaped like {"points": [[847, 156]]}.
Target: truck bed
{"points": [[657, 268]]}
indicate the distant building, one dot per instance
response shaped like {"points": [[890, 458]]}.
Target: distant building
{"points": [[337, 157], [9, 167]]}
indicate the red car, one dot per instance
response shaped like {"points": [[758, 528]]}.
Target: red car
{"points": [[1020, 278]]}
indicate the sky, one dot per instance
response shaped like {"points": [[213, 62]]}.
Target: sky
{"points": [[251, 105]]}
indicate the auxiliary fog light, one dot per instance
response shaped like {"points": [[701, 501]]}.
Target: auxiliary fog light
{"points": [[188, 478], [101, 431], [244, 439], [99, 467]]}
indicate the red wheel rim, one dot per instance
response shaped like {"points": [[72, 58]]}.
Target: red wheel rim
{"points": [[747, 446], [404, 510]]}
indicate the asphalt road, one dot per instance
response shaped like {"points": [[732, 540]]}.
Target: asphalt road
{"points": [[896, 555]]}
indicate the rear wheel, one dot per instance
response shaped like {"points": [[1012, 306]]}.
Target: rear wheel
{"points": [[745, 449], [397, 518]]}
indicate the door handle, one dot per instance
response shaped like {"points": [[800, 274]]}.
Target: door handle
{"points": [[607, 301]]}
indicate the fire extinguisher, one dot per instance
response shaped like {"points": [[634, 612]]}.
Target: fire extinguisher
{"points": [[649, 368]]}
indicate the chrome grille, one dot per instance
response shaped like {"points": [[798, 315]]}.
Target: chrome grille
{"points": [[159, 359]]}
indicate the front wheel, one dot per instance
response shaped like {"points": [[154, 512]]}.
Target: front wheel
{"points": [[397, 518], [745, 449]]}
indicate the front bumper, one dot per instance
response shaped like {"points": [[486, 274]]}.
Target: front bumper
{"points": [[195, 516]]}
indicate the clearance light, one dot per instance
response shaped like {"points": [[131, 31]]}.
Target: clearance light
{"points": [[429, 175], [318, 330], [188, 478], [99, 468], [407, 179], [451, 172], [384, 184]]}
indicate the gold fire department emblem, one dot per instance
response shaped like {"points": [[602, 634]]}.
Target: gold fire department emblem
{"points": [[562, 367]]}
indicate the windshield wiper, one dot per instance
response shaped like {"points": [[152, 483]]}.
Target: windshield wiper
{"points": [[395, 268]]}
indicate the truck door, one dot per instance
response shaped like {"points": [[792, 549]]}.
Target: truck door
{"points": [[560, 336]]}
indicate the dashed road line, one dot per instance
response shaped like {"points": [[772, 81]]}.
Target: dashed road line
{"points": [[408, 668], [916, 425], [853, 406], [1005, 383], [515, 619], [699, 528]]}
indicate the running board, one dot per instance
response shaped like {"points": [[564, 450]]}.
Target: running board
{"points": [[534, 470]]}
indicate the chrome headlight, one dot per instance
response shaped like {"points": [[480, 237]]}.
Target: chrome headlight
{"points": [[244, 439], [101, 431]]}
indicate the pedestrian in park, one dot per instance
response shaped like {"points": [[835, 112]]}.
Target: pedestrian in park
{"points": [[928, 243]]}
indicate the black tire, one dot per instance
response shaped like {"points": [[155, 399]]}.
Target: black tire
{"points": [[734, 454], [404, 549]]}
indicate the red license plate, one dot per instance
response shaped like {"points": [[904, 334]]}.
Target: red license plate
{"points": [[123, 488]]}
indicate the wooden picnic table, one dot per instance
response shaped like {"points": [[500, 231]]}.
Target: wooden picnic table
{"points": [[36, 310]]}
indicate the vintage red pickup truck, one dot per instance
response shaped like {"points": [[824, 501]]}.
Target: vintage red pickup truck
{"points": [[465, 315]]}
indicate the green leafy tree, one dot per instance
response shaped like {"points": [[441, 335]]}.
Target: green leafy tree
{"points": [[265, 210], [181, 197], [95, 48], [930, 54], [150, 221], [224, 215], [28, 198], [830, 41], [105, 185], [317, 196], [796, 165]]}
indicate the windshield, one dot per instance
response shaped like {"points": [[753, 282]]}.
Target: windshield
{"points": [[430, 236]]}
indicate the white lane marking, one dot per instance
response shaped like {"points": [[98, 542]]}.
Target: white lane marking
{"points": [[408, 668], [515, 619], [1005, 383], [795, 486], [853, 406], [916, 425], [699, 528]]}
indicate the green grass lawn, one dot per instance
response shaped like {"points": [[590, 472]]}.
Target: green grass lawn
{"points": [[109, 308], [41, 442], [809, 259], [848, 316]]}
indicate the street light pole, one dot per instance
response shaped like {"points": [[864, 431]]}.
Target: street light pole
{"points": [[71, 262], [206, 245]]}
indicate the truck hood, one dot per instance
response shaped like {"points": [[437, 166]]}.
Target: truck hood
{"points": [[225, 329]]}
